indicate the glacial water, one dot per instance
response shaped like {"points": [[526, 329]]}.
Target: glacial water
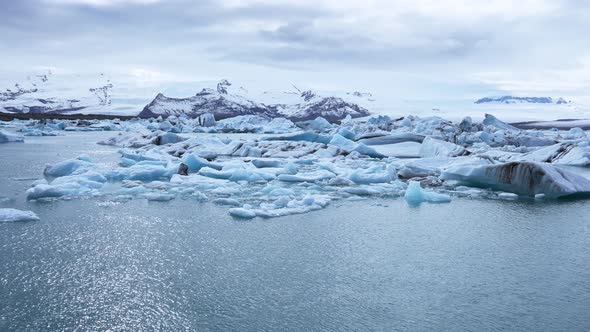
{"points": [[470, 265]]}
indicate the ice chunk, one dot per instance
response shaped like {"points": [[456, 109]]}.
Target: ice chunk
{"points": [[263, 163], [362, 191], [416, 195], [376, 174], [237, 174], [307, 136], [159, 197], [393, 139], [367, 151], [195, 163], [65, 167], [575, 133], [307, 177], [436, 148], [67, 189], [508, 196], [346, 133], [523, 178], [343, 143], [7, 137], [279, 126], [206, 120], [167, 138], [290, 168], [492, 121], [340, 181], [320, 124], [226, 201], [399, 150], [126, 162], [242, 213], [11, 215], [142, 172]]}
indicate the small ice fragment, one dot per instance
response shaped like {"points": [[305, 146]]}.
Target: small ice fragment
{"points": [[262, 163], [507, 196], [340, 181], [226, 201], [158, 197], [242, 213], [416, 195], [17, 215]]}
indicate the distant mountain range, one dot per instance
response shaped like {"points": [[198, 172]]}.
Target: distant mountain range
{"points": [[226, 102], [42, 94], [521, 100], [46, 94]]}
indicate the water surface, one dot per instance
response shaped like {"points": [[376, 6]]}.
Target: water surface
{"points": [[373, 264]]}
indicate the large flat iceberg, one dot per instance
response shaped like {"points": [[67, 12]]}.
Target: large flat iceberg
{"points": [[523, 178]]}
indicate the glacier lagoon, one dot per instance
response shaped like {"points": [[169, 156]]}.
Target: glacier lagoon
{"points": [[365, 264]]}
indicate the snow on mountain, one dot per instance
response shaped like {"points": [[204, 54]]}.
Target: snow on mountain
{"points": [[46, 94], [211, 101], [61, 93], [228, 101], [517, 100]]}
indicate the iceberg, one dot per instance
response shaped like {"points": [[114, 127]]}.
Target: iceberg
{"points": [[432, 147], [319, 175], [522, 178]]}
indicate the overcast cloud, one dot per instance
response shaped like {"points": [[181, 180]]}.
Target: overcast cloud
{"points": [[525, 46]]}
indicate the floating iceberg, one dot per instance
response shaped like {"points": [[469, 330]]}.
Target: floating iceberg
{"points": [[523, 178]]}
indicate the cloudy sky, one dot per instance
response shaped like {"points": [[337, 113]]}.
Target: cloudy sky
{"points": [[419, 47]]}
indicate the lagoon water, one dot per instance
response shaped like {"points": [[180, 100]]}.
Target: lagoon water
{"points": [[95, 265]]}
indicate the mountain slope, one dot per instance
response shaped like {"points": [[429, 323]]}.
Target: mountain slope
{"points": [[225, 102]]}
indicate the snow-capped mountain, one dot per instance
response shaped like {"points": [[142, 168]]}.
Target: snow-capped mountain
{"points": [[521, 100], [218, 102], [47, 94], [228, 101]]}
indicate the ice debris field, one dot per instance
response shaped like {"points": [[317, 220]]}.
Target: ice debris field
{"points": [[290, 168]]}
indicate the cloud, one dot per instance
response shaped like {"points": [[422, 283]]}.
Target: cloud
{"points": [[101, 3], [440, 39]]}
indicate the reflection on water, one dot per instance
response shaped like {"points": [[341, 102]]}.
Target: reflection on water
{"points": [[362, 265]]}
